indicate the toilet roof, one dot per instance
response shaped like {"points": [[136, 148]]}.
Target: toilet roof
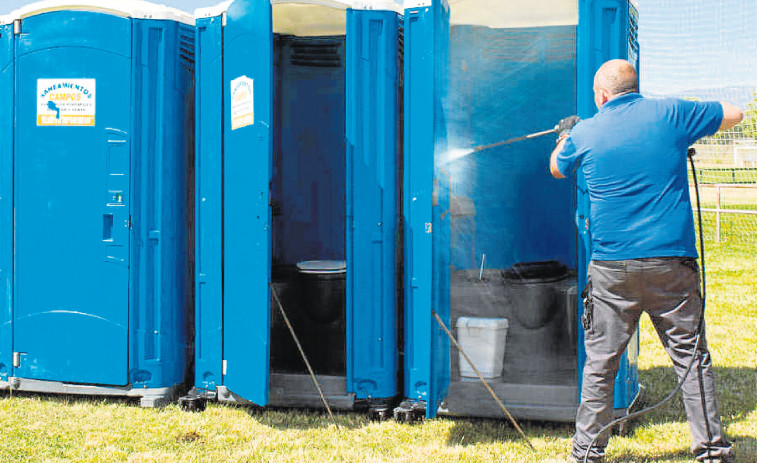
{"points": [[503, 14], [127, 8], [381, 5]]}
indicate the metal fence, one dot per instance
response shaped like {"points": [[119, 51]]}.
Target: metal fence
{"points": [[727, 149], [726, 167], [729, 212]]}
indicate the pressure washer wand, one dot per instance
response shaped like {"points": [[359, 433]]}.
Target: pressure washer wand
{"points": [[516, 139]]}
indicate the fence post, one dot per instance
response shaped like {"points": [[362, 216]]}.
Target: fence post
{"points": [[717, 217]]}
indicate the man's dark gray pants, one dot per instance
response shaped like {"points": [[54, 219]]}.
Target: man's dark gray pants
{"points": [[667, 289]]}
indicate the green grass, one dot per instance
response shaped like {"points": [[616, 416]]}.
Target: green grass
{"points": [[58, 429], [734, 227]]}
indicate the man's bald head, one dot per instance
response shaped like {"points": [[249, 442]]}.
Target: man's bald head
{"points": [[617, 76], [614, 78]]}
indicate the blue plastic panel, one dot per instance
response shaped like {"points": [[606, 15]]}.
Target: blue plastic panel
{"points": [[163, 96], [606, 31], [7, 78], [248, 51], [208, 204], [372, 202], [72, 205], [426, 205]]}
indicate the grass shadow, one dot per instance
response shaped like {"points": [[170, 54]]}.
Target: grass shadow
{"points": [[745, 447], [473, 431], [70, 399], [627, 457], [283, 419], [737, 398], [736, 388]]}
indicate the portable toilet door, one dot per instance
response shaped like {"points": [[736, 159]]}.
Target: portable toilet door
{"points": [[425, 210], [606, 30], [7, 79], [95, 132], [297, 158], [487, 233]]}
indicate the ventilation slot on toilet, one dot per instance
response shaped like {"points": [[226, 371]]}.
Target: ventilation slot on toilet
{"points": [[187, 48], [321, 54]]}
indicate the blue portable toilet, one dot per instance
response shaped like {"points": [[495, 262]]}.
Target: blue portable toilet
{"points": [[96, 158], [489, 245], [298, 148]]}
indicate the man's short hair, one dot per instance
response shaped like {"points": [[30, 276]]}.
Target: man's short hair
{"points": [[617, 76]]}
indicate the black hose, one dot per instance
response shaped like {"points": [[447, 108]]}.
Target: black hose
{"points": [[700, 328], [695, 357]]}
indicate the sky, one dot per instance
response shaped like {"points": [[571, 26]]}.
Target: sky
{"points": [[685, 44]]}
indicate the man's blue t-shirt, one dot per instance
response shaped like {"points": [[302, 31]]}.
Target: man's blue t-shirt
{"points": [[633, 155]]}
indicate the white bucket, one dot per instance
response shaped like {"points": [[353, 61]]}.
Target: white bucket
{"points": [[483, 339]]}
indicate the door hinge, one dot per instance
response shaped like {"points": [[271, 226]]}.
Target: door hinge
{"points": [[16, 359], [17, 29], [224, 368]]}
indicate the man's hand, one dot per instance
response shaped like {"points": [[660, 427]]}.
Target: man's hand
{"points": [[564, 126]]}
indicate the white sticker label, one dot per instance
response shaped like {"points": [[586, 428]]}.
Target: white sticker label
{"points": [[242, 103], [66, 102]]}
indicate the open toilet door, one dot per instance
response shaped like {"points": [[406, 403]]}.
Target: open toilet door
{"points": [[608, 29], [426, 205], [372, 176], [247, 81]]}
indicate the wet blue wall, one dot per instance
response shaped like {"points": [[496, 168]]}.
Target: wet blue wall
{"points": [[506, 83], [309, 153]]}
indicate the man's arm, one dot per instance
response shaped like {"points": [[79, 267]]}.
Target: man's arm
{"points": [[553, 159], [732, 115]]}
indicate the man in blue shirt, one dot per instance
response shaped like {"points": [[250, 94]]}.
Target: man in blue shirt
{"points": [[633, 156]]}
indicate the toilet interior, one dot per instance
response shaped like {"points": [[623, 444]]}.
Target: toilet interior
{"points": [[505, 207], [503, 204], [308, 190]]}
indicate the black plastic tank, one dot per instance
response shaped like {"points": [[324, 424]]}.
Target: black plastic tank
{"points": [[533, 288], [323, 284]]}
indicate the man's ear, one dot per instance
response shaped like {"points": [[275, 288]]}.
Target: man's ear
{"points": [[603, 96]]}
